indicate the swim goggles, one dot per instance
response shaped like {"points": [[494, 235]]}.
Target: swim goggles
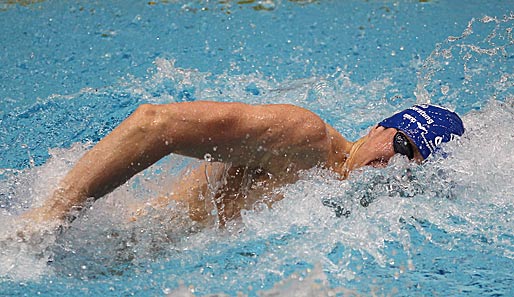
{"points": [[402, 145]]}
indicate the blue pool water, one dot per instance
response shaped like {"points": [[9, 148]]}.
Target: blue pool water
{"points": [[70, 72]]}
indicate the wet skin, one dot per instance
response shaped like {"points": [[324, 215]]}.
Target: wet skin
{"points": [[240, 188], [377, 148], [254, 149]]}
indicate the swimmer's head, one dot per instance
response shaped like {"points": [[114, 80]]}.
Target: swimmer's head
{"points": [[427, 126], [415, 132]]}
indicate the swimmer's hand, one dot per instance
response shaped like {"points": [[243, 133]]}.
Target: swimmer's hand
{"points": [[29, 228], [36, 222], [40, 216], [52, 215]]}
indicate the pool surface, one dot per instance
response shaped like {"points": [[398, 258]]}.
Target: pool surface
{"points": [[71, 71]]}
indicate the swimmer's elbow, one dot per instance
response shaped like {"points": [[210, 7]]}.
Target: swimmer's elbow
{"points": [[152, 119], [144, 115]]}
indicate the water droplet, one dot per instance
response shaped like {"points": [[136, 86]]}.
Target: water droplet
{"points": [[207, 157], [447, 54], [445, 89]]}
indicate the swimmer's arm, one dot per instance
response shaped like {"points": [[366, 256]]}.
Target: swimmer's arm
{"points": [[272, 137]]}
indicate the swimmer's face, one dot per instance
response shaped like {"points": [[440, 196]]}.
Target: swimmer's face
{"points": [[380, 145]]}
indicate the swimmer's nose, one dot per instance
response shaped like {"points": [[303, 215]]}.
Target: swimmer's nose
{"points": [[379, 147]]}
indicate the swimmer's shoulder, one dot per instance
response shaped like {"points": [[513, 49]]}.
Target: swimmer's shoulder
{"points": [[334, 149]]}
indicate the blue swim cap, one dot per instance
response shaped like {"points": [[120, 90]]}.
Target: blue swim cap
{"points": [[427, 126]]}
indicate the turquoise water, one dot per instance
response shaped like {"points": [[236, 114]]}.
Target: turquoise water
{"points": [[70, 72]]}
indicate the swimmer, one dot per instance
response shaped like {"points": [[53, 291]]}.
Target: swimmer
{"points": [[250, 150]]}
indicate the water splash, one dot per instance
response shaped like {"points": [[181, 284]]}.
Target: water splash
{"points": [[465, 71], [25, 256], [103, 234]]}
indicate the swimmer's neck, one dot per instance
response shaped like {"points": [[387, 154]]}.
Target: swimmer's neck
{"points": [[339, 153]]}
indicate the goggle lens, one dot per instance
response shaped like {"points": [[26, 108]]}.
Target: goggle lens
{"points": [[402, 145]]}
